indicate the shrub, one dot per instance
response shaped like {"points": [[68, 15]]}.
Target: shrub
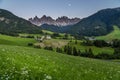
{"points": [[30, 44], [48, 48], [37, 46], [103, 56]]}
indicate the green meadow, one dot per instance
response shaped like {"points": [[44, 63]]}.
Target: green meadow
{"points": [[115, 34], [20, 62], [23, 63]]}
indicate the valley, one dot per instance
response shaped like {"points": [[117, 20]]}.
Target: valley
{"points": [[60, 49]]}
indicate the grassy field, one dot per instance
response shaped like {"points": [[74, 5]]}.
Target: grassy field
{"points": [[8, 40], [95, 49], [19, 62], [22, 63], [113, 35], [53, 42]]}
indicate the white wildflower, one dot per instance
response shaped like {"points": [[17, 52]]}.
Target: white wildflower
{"points": [[48, 77]]}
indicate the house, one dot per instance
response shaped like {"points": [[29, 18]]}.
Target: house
{"points": [[40, 39]]}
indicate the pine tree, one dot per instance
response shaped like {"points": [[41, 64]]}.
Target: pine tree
{"points": [[79, 52], [69, 50], [75, 53]]}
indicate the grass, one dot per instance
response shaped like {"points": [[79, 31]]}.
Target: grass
{"points": [[53, 42], [113, 35], [8, 40], [95, 49], [21, 63]]}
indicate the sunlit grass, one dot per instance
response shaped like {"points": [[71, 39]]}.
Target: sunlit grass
{"points": [[20, 63], [113, 35]]}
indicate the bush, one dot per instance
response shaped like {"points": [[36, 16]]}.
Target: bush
{"points": [[29, 36], [100, 43], [48, 48], [104, 56], [59, 50], [37, 46], [30, 44]]}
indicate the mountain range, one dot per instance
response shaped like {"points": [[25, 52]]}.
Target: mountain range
{"points": [[100, 23], [60, 21], [11, 24]]}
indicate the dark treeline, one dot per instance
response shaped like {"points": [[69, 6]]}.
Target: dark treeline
{"points": [[89, 53], [102, 43], [74, 51]]}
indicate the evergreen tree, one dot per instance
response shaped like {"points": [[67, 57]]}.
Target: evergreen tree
{"points": [[76, 41], [75, 53], [69, 50], [65, 49], [79, 52], [59, 50]]}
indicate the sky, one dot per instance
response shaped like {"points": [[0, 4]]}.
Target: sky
{"points": [[56, 8]]}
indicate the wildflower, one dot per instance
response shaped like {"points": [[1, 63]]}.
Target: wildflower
{"points": [[24, 72], [48, 77]]}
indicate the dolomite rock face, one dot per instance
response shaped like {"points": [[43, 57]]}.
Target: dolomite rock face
{"points": [[60, 21]]}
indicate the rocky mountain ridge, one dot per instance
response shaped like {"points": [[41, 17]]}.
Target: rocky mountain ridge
{"points": [[60, 21]]}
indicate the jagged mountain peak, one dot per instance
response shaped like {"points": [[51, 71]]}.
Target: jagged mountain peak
{"points": [[60, 21]]}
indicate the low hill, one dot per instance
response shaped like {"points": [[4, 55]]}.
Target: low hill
{"points": [[11, 24], [113, 35], [8, 40], [100, 23], [36, 64], [53, 28]]}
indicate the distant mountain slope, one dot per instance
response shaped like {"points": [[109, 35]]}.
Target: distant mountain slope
{"points": [[11, 24], [54, 28], [100, 23], [60, 21], [115, 34]]}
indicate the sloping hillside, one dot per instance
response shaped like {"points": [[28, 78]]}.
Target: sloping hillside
{"points": [[8, 40], [100, 23], [11, 24], [113, 35], [36, 64]]}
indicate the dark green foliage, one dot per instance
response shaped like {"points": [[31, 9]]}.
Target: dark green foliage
{"points": [[29, 36], [104, 56], [59, 50], [37, 46], [54, 35], [88, 43], [79, 37], [48, 48], [87, 53], [100, 43], [65, 49], [76, 41], [12, 25], [57, 29], [68, 50], [100, 23], [79, 52], [116, 43], [117, 53], [66, 36], [75, 52], [30, 44]]}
